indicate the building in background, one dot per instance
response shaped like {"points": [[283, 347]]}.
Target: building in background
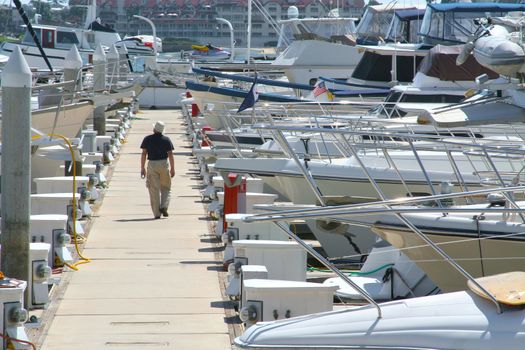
{"points": [[181, 23]]}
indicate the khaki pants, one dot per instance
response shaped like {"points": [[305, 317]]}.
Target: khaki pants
{"points": [[158, 182]]}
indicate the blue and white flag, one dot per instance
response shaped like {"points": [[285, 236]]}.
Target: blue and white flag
{"points": [[251, 97]]}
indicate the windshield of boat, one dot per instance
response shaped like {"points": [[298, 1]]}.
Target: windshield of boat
{"points": [[374, 24], [314, 28], [66, 39], [452, 26], [28, 39], [404, 28], [389, 108]]}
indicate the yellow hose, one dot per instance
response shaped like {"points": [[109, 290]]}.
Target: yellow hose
{"points": [[84, 260]]}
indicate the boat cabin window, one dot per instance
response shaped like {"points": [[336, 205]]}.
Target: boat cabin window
{"points": [[450, 27], [66, 39], [434, 98], [28, 39], [394, 96], [453, 23], [405, 26], [373, 26], [398, 96], [376, 67]]}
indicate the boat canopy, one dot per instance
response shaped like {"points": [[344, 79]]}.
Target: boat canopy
{"points": [[405, 25], [452, 23], [314, 29], [441, 63], [476, 7], [375, 23]]}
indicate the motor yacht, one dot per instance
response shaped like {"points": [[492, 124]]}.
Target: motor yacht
{"points": [[56, 42]]}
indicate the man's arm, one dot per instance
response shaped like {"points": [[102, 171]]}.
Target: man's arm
{"points": [[172, 163], [143, 163]]}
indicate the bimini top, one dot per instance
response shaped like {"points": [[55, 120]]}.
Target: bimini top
{"points": [[477, 6], [409, 14], [389, 7], [453, 23]]}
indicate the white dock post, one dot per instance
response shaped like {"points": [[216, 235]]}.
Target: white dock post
{"points": [[99, 69], [99, 84], [99, 120], [113, 60], [72, 66], [16, 167], [123, 63]]}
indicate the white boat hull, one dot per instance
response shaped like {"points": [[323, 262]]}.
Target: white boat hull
{"points": [[67, 122], [459, 321], [459, 238], [34, 58], [304, 61]]}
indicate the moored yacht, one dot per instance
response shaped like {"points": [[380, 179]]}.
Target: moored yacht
{"points": [[314, 47], [460, 320], [56, 42], [387, 63]]}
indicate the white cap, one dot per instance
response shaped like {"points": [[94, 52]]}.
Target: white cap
{"points": [[159, 127], [73, 59], [123, 50], [16, 72], [99, 55], [113, 52]]}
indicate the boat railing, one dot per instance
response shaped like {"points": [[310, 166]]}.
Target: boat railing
{"points": [[373, 139], [414, 143], [396, 207]]}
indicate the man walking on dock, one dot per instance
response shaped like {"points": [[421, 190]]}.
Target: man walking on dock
{"points": [[157, 148]]}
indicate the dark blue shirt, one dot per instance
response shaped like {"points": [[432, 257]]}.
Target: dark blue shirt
{"points": [[157, 146]]}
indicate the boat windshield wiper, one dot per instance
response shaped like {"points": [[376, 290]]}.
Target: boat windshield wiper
{"points": [[31, 31]]}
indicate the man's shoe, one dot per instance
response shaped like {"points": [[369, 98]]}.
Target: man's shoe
{"points": [[164, 212], [157, 217]]}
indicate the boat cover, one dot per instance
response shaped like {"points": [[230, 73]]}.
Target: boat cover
{"points": [[474, 115], [248, 79], [100, 28], [271, 97], [409, 14], [480, 6], [441, 63], [514, 22]]}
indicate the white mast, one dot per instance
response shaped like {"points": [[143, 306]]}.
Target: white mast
{"points": [[249, 31], [91, 13]]}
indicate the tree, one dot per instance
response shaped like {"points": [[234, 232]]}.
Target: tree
{"points": [[132, 10], [42, 8]]}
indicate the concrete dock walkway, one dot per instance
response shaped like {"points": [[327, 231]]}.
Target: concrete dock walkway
{"points": [[152, 284]]}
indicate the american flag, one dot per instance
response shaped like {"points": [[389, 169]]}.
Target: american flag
{"points": [[319, 89]]}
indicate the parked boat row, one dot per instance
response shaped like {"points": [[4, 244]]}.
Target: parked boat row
{"points": [[414, 203]]}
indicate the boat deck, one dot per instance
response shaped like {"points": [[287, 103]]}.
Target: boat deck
{"points": [[151, 284]]}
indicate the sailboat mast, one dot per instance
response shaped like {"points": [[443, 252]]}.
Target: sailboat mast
{"points": [[91, 13], [94, 10], [249, 31]]}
